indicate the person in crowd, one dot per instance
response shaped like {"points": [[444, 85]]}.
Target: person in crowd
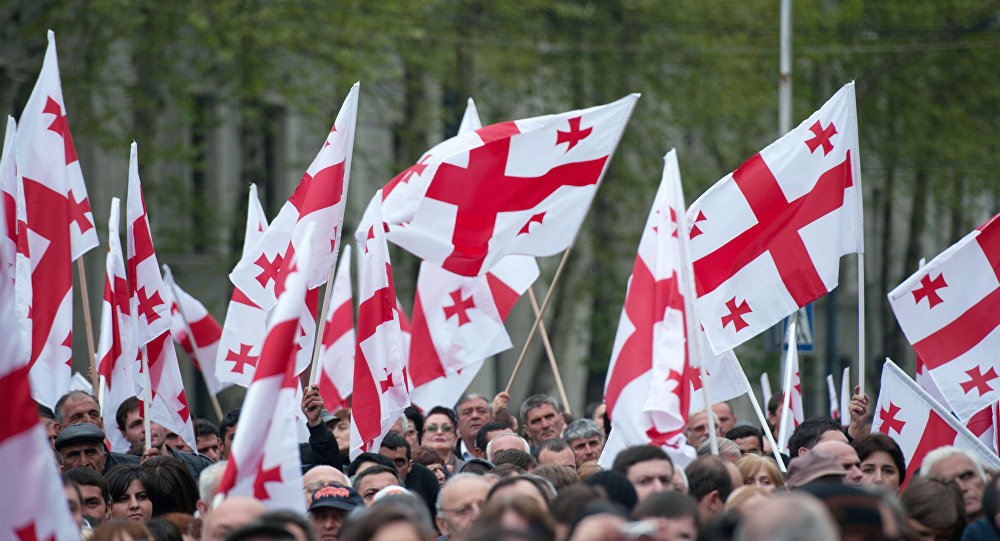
{"points": [[647, 467], [78, 407], [367, 460], [515, 517], [727, 449], [860, 513], [369, 481], [724, 413], [744, 499], [788, 517], [934, 508], [208, 486], [516, 457], [479, 466], [964, 468], [617, 487], [987, 527], [542, 418], [342, 432], [486, 434], [679, 482], [206, 436], [401, 426], [176, 442], [95, 495], [527, 484], [882, 462], [473, 413], [440, 434], [586, 439], [414, 426], [189, 526], [458, 505], [749, 439], [387, 521], [558, 474], [82, 445], [760, 471], [328, 508], [131, 422], [300, 527], [322, 447], [554, 451], [172, 489], [318, 477], [572, 502], [416, 477], [675, 516], [48, 421], [233, 512], [227, 430], [711, 480], [432, 461], [505, 441], [587, 469], [696, 430], [75, 500], [846, 456], [812, 431], [121, 530], [129, 485], [814, 467], [164, 530]]}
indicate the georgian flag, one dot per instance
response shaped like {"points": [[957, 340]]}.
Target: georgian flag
{"points": [[202, 342], [726, 379], [767, 238], [17, 268], [791, 384], [336, 356]]}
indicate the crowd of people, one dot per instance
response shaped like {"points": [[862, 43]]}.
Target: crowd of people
{"points": [[482, 472]]}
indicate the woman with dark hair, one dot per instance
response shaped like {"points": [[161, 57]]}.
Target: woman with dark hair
{"points": [[882, 463], [934, 509], [430, 458], [129, 485], [441, 434], [172, 489]]}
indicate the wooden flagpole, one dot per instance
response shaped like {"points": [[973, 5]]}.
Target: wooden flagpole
{"points": [[87, 323], [538, 318], [321, 326], [548, 351]]}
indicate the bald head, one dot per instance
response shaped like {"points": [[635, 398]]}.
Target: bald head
{"points": [[229, 515], [320, 476], [846, 456]]}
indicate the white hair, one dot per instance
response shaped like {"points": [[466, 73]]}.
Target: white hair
{"points": [[726, 447], [946, 451], [489, 446], [454, 478], [208, 481]]}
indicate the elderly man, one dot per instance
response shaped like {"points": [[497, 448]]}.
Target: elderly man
{"points": [[373, 479], [82, 445], [473, 412], [697, 428], [846, 456], [329, 507], [727, 419], [76, 407], [232, 513], [586, 439], [506, 440], [318, 477], [458, 504], [485, 435], [542, 418], [962, 466]]}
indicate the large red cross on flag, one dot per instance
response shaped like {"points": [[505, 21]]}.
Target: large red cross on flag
{"points": [[767, 239], [949, 311], [202, 343], [264, 462], [336, 357], [909, 415], [320, 199], [520, 187], [379, 393], [59, 226]]}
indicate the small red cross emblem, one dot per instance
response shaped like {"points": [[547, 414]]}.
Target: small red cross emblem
{"points": [[658, 438], [415, 169], [889, 420], [183, 412], [821, 137], [68, 342], [78, 212], [459, 307], [673, 220], [265, 476], [28, 533], [736, 314], [537, 218], [269, 269], [574, 135], [146, 305], [979, 380], [694, 228], [242, 358], [386, 383], [674, 375], [929, 289], [61, 126]]}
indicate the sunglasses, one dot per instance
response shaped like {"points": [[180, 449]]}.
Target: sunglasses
{"points": [[436, 428]]}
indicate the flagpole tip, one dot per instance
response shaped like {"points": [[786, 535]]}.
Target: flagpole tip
{"points": [[51, 35]]}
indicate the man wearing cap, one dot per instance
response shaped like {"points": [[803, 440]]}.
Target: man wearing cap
{"points": [[79, 407], [82, 445], [330, 506], [816, 465]]}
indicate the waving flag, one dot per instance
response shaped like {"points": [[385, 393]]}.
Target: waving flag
{"points": [[17, 267], [264, 462], [59, 227], [949, 311], [791, 384], [767, 239], [319, 199], [519, 187], [834, 403], [336, 357], [726, 379], [202, 343], [909, 415]]}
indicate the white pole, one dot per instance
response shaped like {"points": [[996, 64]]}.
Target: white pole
{"points": [[787, 383], [147, 398], [765, 387], [861, 322], [785, 82]]}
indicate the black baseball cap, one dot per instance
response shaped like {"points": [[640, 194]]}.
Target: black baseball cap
{"points": [[337, 496]]}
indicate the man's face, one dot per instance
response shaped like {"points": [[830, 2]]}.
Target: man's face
{"points": [[157, 435], [399, 459], [559, 458], [460, 504], [88, 454], [82, 409], [846, 457], [697, 429], [327, 522], [73, 497], [51, 429], [963, 471], [481, 453], [586, 449], [472, 415], [726, 418], [651, 476], [227, 441], [544, 422], [208, 445], [749, 444], [135, 433], [93, 503], [177, 442], [373, 483]]}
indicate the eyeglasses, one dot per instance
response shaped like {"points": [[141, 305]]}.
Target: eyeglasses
{"points": [[436, 428], [464, 511]]}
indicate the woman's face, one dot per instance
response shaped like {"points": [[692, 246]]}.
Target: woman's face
{"points": [[134, 504], [439, 432], [761, 478], [438, 472], [342, 432], [879, 470]]}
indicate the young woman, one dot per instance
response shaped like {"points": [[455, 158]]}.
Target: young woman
{"points": [[129, 484]]}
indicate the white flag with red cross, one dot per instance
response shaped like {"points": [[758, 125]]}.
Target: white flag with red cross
{"points": [[379, 393], [648, 386], [791, 383], [767, 239], [59, 227], [911, 417], [151, 314], [202, 343], [33, 505], [264, 462], [319, 199], [117, 348], [949, 312], [521, 187], [985, 424], [336, 357], [726, 379], [246, 323], [8, 198]]}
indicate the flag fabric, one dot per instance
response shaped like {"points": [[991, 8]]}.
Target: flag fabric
{"points": [[33, 504], [765, 388], [245, 325], [151, 314], [726, 379], [767, 238], [8, 198], [379, 390], [336, 356], [202, 345], [648, 386], [984, 426], [912, 418], [319, 199], [520, 187], [791, 384], [948, 312], [470, 119], [845, 397], [59, 227], [117, 348], [264, 462], [834, 403]]}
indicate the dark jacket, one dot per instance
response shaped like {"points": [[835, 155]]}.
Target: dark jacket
{"points": [[322, 449], [115, 459], [194, 462], [981, 530]]}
